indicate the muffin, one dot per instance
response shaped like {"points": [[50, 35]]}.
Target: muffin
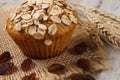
{"points": [[42, 28]]}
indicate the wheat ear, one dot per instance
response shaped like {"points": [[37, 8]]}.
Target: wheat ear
{"points": [[105, 23], [110, 30]]}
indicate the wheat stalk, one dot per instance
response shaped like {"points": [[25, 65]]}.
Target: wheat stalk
{"points": [[95, 15], [110, 31], [107, 24], [110, 36]]}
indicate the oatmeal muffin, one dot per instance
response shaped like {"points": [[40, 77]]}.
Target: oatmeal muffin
{"points": [[42, 28]]}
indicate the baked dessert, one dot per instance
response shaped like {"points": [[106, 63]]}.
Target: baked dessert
{"points": [[42, 28]]}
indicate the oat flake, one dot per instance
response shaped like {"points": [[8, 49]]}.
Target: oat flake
{"points": [[72, 18], [55, 19], [66, 20], [48, 42], [52, 29], [56, 10], [17, 27], [38, 36]]}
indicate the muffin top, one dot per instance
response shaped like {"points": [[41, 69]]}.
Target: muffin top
{"points": [[41, 17]]}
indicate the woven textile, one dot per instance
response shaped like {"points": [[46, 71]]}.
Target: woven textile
{"points": [[7, 44]]}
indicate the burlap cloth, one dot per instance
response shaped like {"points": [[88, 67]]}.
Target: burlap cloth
{"points": [[7, 44]]}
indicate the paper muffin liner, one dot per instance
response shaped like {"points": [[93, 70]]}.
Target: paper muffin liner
{"points": [[37, 49]]}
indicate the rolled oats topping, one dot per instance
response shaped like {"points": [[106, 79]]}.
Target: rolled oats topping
{"points": [[66, 20], [48, 42], [58, 3], [52, 29], [69, 7], [33, 15], [32, 30], [68, 11], [48, 1], [44, 6], [38, 36], [30, 2], [72, 18], [37, 14], [56, 10], [25, 8], [36, 22], [26, 16], [42, 26], [39, 1], [25, 25], [36, 8], [55, 19], [17, 27], [18, 16], [41, 31], [45, 18], [26, 21]]}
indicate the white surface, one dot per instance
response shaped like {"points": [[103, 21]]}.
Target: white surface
{"points": [[112, 6], [114, 73]]}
